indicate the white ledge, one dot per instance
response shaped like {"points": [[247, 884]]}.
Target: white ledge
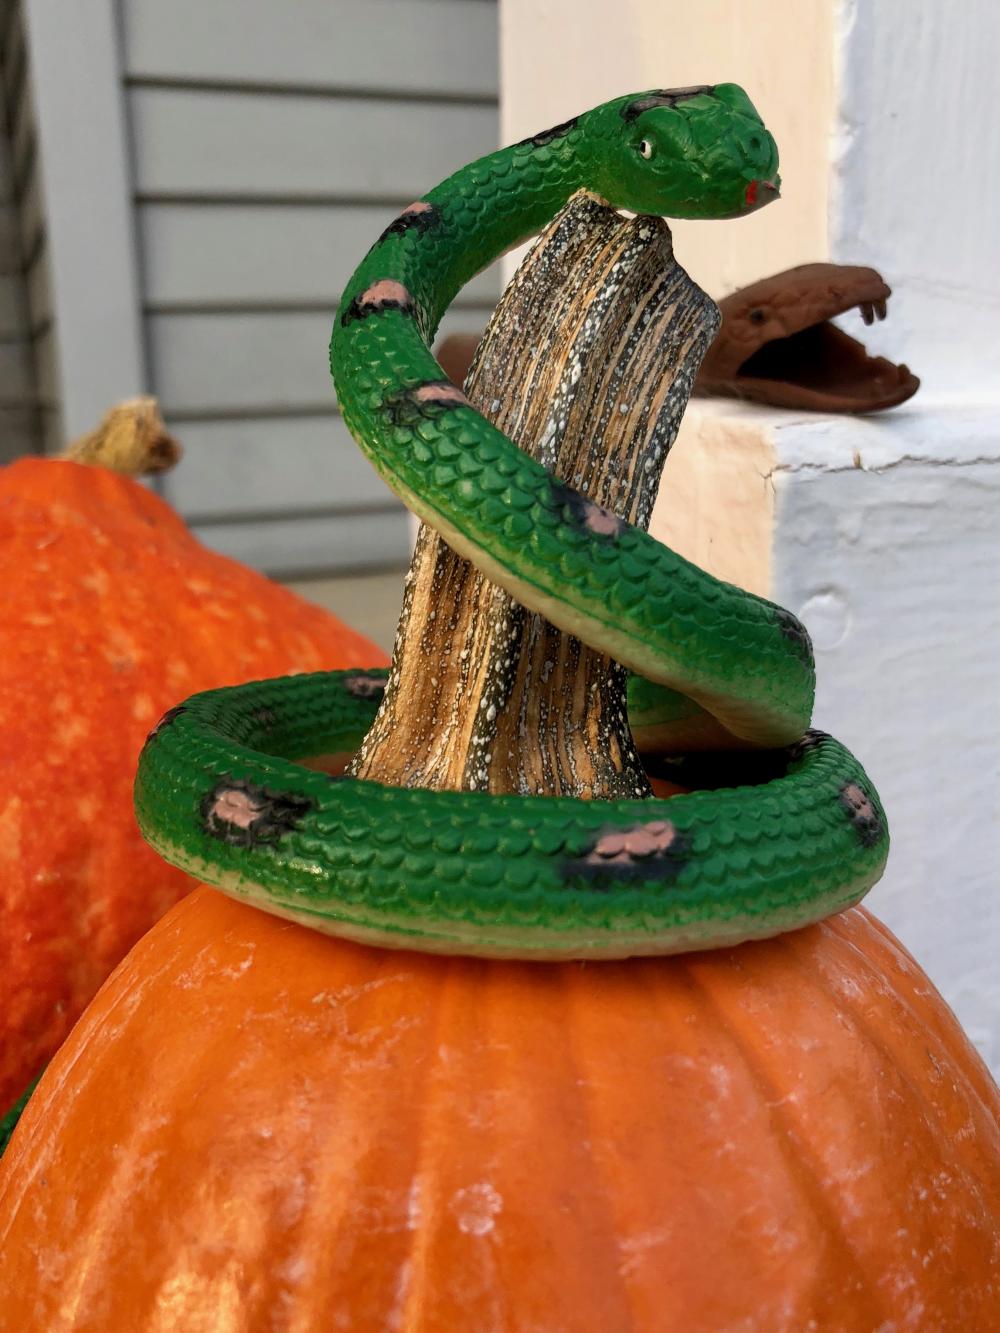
{"points": [[881, 533]]}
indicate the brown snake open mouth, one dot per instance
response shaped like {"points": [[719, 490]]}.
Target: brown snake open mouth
{"points": [[777, 343]]}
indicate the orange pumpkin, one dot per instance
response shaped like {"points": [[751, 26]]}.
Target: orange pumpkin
{"points": [[255, 1126], [111, 611]]}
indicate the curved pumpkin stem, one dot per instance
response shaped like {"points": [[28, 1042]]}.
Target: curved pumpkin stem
{"points": [[131, 439], [601, 321]]}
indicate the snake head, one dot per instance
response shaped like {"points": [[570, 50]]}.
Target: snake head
{"points": [[699, 152]]}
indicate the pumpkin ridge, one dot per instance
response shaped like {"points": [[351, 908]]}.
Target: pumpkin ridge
{"points": [[803, 1182], [561, 1097], [937, 1124], [600, 1113], [937, 1019], [793, 1145], [364, 1234], [901, 1053], [434, 1247], [418, 1265]]}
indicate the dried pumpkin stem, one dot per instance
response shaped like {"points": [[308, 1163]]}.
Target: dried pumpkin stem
{"points": [[588, 363], [131, 439]]}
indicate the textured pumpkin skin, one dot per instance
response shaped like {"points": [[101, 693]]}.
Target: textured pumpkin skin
{"points": [[110, 612], [256, 1126]]}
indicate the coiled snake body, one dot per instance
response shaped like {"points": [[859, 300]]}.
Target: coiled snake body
{"points": [[217, 792]]}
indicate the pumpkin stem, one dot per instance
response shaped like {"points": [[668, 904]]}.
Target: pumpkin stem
{"points": [[131, 439], [587, 364]]}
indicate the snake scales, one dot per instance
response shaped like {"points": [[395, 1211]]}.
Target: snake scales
{"points": [[218, 791]]}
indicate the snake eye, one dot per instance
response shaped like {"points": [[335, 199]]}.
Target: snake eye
{"points": [[645, 149]]}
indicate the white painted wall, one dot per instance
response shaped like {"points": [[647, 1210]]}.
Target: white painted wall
{"points": [[881, 533], [558, 57], [915, 182]]}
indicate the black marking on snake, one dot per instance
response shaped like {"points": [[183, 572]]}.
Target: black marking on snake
{"points": [[243, 814], [420, 220], [166, 720], [662, 97], [865, 816], [810, 740], [423, 402], [364, 687], [622, 857], [263, 716], [547, 136], [361, 310], [796, 634], [585, 513], [381, 296]]}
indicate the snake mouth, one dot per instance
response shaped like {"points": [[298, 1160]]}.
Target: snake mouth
{"points": [[777, 343], [761, 192]]}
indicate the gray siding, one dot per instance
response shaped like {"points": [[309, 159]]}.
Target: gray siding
{"points": [[23, 286], [77, 217], [271, 143], [187, 187]]}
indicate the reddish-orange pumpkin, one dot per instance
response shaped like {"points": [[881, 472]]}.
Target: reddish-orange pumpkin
{"points": [[110, 611], [255, 1126]]}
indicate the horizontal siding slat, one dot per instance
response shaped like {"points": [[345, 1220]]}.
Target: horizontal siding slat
{"points": [[43, 350], [20, 429], [22, 139], [7, 190], [426, 46], [32, 213], [13, 312], [10, 240], [39, 287], [255, 145], [17, 381], [14, 59], [53, 434], [245, 253], [294, 546], [19, 96], [207, 363], [271, 466]]}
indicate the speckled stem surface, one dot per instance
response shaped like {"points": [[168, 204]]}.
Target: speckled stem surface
{"points": [[801, 836], [587, 364]]}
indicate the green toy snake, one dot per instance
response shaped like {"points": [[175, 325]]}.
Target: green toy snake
{"points": [[217, 792]]}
